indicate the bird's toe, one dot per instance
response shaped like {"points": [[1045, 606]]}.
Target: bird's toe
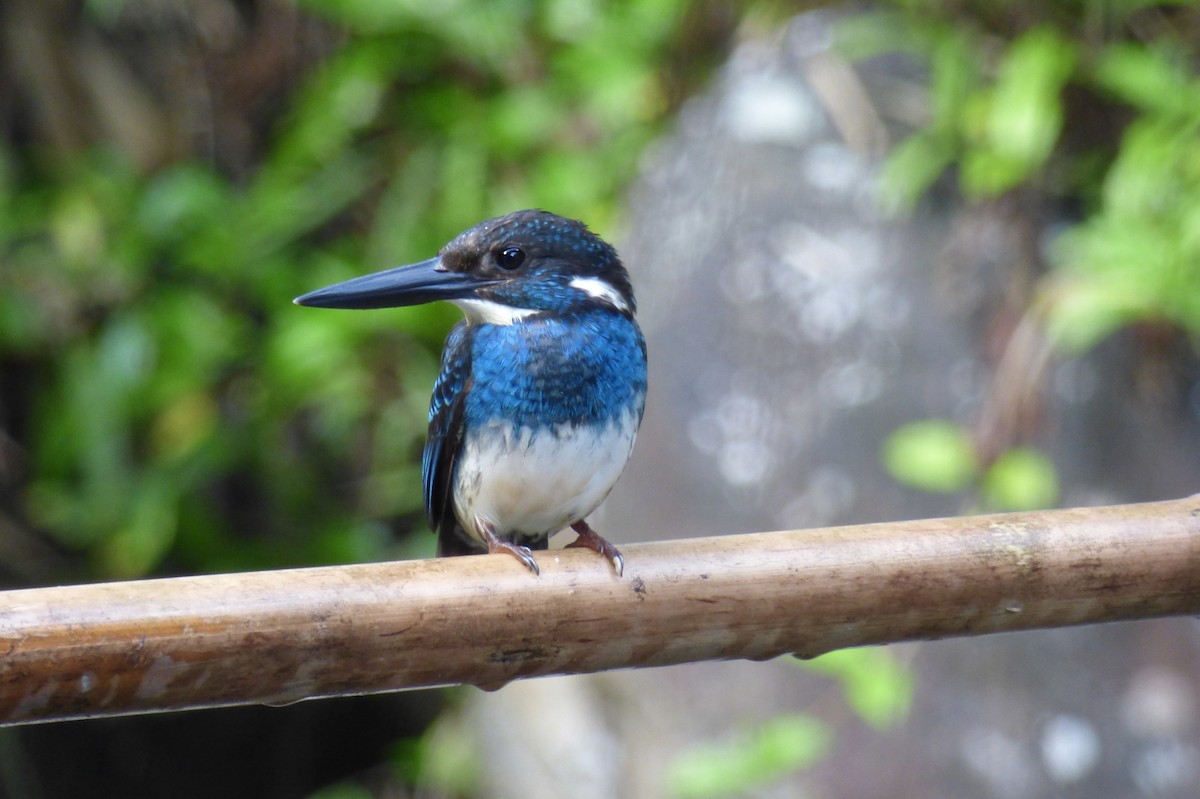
{"points": [[590, 539]]}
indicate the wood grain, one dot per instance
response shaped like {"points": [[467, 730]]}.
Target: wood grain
{"points": [[278, 637]]}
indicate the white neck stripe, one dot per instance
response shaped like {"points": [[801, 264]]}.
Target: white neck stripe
{"points": [[601, 290]]}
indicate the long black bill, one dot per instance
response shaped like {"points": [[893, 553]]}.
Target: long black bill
{"points": [[403, 285]]}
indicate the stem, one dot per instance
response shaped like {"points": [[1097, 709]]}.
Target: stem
{"points": [[281, 636]]}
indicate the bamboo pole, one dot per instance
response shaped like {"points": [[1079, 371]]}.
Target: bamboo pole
{"points": [[278, 637]]}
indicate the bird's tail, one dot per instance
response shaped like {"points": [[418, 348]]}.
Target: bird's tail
{"points": [[454, 541]]}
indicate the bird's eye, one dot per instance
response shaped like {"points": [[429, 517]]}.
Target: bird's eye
{"points": [[510, 258]]}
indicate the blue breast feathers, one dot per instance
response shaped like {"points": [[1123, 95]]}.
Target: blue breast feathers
{"points": [[581, 368]]}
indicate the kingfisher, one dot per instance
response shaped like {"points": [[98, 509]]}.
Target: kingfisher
{"points": [[542, 384]]}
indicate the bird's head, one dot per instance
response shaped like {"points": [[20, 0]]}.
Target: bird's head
{"points": [[500, 271]]}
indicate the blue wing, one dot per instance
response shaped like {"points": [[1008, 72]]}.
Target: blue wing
{"points": [[444, 444]]}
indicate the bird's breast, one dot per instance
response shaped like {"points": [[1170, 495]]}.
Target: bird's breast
{"points": [[530, 482]]}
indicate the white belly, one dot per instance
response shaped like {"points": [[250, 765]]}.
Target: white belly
{"points": [[529, 486]]}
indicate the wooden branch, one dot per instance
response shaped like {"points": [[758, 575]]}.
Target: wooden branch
{"points": [[277, 637]]}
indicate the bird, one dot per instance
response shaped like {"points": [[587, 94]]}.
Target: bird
{"points": [[542, 385]]}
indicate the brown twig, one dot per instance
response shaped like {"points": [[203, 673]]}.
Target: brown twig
{"points": [[277, 637]]}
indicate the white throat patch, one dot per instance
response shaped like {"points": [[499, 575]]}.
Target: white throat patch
{"points": [[491, 313], [601, 290]]}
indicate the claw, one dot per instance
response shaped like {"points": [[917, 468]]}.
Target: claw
{"points": [[517, 551], [590, 539], [496, 544]]}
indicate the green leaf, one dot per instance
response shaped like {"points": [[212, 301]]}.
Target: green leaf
{"points": [[1017, 124], [1149, 79], [148, 532], [442, 762], [180, 199], [1113, 271], [1084, 312], [880, 32], [954, 79], [911, 168], [1026, 110], [782, 745], [877, 686], [1149, 171], [1021, 479], [984, 172], [932, 455]]}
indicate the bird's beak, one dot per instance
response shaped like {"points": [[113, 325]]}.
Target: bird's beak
{"points": [[403, 285]]}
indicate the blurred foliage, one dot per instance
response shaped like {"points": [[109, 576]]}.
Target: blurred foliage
{"points": [[444, 761], [165, 405], [1092, 101], [877, 686], [1020, 478], [780, 746], [938, 455], [1089, 107], [932, 455]]}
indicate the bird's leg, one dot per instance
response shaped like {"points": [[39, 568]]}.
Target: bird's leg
{"points": [[590, 539], [497, 544]]}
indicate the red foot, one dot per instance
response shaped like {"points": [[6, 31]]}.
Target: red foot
{"points": [[497, 544], [590, 539]]}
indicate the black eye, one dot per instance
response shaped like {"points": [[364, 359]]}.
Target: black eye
{"points": [[510, 258]]}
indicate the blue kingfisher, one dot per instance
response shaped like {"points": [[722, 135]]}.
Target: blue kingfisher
{"points": [[542, 385]]}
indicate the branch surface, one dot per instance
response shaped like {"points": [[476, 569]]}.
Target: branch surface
{"points": [[281, 636]]}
